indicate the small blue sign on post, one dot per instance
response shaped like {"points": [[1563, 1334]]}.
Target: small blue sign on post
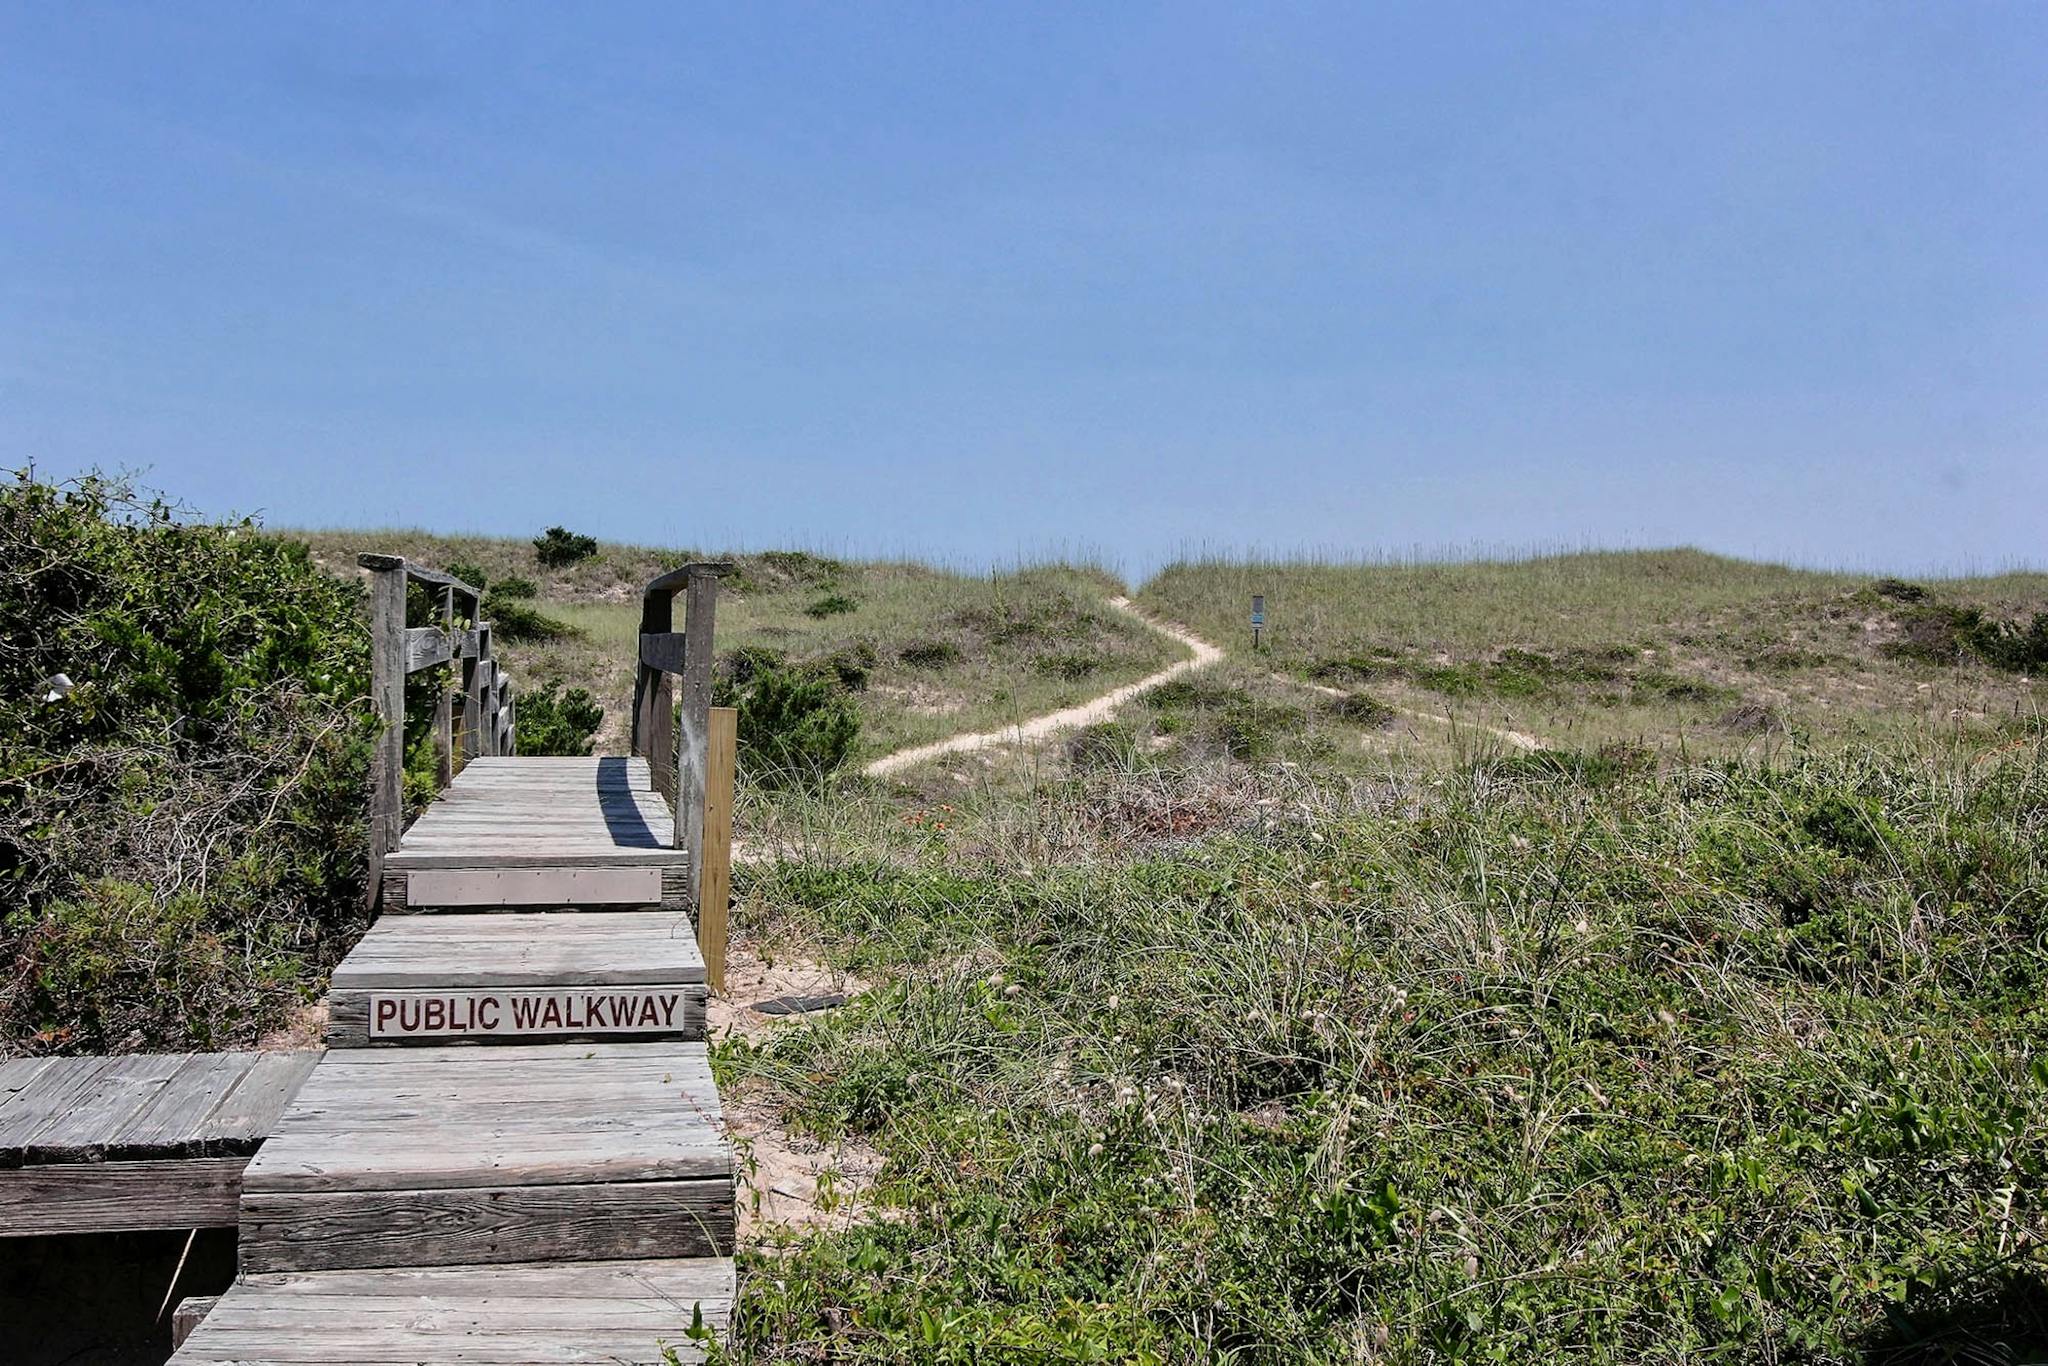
{"points": [[1258, 617]]}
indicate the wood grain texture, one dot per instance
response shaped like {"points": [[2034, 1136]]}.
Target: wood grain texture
{"points": [[437, 1117], [471, 1225], [541, 948], [506, 1314], [117, 1197], [715, 883]]}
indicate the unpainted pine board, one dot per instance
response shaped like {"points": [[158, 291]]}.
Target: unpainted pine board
{"points": [[594, 1222], [247, 1114], [116, 1197], [49, 1094]]}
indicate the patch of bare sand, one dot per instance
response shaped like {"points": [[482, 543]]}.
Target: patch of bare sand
{"points": [[789, 1182]]}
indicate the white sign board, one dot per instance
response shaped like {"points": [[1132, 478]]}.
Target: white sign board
{"points": [[612, 1010]]}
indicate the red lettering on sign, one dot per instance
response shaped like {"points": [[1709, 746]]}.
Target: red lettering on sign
{"points": [[487, 1004]]}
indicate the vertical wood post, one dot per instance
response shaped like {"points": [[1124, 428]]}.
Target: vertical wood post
{"points": [[477, 672], [699, 610], [387, 698], [714, 906], [444, 703]]}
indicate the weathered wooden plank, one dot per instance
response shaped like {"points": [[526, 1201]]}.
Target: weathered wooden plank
{"points": [[174, 1124], [186, 1318], [252, 1110], [418, 573], [510, 1314], [426, 646], [512, 1114], [113, 1197], [535, 887], [663, 650], [444, 701], [54, 1088], [592, 1222], [541, 948], [80, 1130], [387, 697]]}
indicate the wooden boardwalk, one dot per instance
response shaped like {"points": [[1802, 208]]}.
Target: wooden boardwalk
{"points": [[144, 1141], [513, 1151]]}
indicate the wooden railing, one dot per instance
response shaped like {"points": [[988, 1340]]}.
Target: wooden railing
{"points": [[483, 691], [689, 748]]}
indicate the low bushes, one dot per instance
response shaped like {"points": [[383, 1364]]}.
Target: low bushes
{"points": [[184, 750]]}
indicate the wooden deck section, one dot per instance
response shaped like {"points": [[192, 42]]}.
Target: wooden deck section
{"points": [[144, 1141], [491, 978], [511, 832], [513, 1151], [614, 1312], [453, 1155]]}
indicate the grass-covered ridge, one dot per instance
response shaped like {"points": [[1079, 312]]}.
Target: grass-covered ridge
{"points": [[1604, 647]]}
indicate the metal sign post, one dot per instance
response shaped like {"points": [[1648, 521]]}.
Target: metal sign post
{"points": [[1258, 617]]}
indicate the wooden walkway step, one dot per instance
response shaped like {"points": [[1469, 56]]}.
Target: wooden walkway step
{"points": [[612, 1312], [455, 1155], [493, 978], [510, 834], [142, 1141]]}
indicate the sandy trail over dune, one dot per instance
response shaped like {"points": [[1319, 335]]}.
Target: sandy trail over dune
{"points": [[1201, 654]]}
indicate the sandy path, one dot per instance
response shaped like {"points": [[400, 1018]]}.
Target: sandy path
{"points": [[1201, 654]]}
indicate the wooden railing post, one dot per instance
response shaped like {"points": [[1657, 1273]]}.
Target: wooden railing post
{"points": [[387, 698], [699, 612], [714, 887], [444, 702], [654, 704], [476, 731]]}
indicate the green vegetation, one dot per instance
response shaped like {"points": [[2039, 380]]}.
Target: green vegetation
{"points": [[558, 547], [183, 752], [1527, 1057], [797, 725], [935, 652], [547, 720]]}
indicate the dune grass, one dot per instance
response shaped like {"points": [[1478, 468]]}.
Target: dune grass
{"points": [[1668, 648]]}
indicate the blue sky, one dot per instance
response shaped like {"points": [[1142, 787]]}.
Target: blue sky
{"points": [[974, 281]]}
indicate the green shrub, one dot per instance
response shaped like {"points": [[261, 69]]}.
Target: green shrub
{"points": [[182, 822], [851, 665], [550, 721], [558, 547], [795, 725], [471, 574], [517, 620], [831, 605], [1946, 635], [515, 587]]}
